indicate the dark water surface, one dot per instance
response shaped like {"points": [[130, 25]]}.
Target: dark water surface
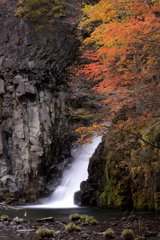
{"points": [[102, 215], [63, 213]]}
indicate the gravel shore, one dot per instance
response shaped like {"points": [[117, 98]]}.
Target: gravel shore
{"points": [[19, 228]]}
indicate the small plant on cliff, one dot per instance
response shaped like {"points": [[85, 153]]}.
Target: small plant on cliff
{"points": [[39, 10], [109, 233], [74, 216], [128, 234], [45, 232], [4, 217], [72, 227]]}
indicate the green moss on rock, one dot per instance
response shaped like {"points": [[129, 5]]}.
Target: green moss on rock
{"points": [[140, 199], [157, 201], [132, 168]]}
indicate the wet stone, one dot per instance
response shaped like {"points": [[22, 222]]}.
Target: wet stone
{"points": [[1, 225]]}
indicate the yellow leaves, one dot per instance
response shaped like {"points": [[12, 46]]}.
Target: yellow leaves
{"points": [[20, 2], [19, 12], [125, 60], [90, 132], [154, 165], [81, 129], [86, 8], [136, 170], [107, 11]]}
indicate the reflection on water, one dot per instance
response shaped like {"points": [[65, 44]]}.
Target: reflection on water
{"points": [[63, 214]]}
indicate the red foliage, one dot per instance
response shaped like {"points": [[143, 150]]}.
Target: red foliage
{"points": [[125, 61]]}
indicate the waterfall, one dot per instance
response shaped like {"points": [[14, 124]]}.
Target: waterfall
{"points": [[77, 172]]}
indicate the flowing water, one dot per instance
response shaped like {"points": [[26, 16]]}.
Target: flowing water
{"points": [[61, 205], [72, 177]]}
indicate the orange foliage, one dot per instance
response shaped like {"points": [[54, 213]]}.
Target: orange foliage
{"points": [[90, 132], [125, 61]]}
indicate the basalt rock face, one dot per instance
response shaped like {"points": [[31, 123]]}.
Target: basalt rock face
{"points": [[32, 102], [94, 185]]}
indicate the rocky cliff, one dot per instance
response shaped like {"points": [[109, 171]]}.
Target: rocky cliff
{"points": [[32, 102], [124, 171]]}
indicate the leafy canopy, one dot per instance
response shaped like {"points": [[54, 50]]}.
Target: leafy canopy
{"points": [[124, 59]]}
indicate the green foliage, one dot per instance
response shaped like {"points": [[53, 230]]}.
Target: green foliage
{"points": [[139, 156], [151, 132], [109, 233], [45, 232], [72, 227], [40, 10], [103, 200], [140, 199], [130, 163]]}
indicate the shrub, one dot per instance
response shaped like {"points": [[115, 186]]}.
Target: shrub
{"points": [[72, 227], [39, 9], [109, 233], [128, 234]]}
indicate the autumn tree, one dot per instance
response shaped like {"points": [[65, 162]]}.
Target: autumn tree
{"points": [[124, 59]]}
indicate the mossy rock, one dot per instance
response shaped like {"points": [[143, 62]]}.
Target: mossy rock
{"points": [[4, 217], [83, 217], [127, 234], [103, 200], [90, 221], [45, 232], [157, 201], [150, 234], [140, 199], [115, 197], [109, 233], [151, 131], [74, 216], [71, 227], [117, 192]]}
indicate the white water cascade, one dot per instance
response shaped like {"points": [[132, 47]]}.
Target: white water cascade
{"points": [[72, 177]]}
